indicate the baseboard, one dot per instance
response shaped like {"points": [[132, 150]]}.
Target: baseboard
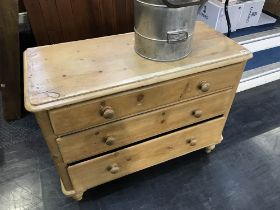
{"points": [[259, 76], [265, 74]]}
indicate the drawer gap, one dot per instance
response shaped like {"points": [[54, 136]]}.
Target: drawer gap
{"points": [[148, 139]]}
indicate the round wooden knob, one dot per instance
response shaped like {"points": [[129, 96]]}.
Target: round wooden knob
{"points": [[192, 142], [114, 168], [197, 113], [204, 86], [107, 112], [110, 140]]}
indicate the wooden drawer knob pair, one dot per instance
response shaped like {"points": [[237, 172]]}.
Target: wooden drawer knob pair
{"points": [[114, 168], [107, 112]]}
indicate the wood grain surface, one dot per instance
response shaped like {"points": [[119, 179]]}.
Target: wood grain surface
{"points": [[50, 138], [272, 6], [55, 21], [88, 114], [126, 161], [92, 142], [68, 73]]}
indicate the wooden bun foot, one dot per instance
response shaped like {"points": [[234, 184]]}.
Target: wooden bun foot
{"points": [[78, 196], [210, 149], [72, 193]]}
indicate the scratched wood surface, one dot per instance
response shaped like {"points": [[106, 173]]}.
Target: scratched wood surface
{"points": [[68, 73]]}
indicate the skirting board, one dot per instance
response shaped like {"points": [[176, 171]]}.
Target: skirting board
{"points": [[260, 41], [265, 74], [259, 76]]}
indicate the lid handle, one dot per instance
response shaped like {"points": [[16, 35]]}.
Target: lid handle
{"points": [[181, 3]]}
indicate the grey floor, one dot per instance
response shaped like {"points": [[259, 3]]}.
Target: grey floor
{"points": [[242, 173]]}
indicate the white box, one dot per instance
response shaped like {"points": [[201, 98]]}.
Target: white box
{"points": [[213, 14], [251, 13], [266, 19], [230, 1]]}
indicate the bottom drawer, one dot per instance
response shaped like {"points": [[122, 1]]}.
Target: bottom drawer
{"points": [[97, 171]]}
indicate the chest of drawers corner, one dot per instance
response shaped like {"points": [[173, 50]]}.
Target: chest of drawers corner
{"points": [[106, 114]]}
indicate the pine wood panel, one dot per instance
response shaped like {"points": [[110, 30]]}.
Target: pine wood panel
{"points": [[92, 142], [55, 21], [44, 123], [84, 115], [97, 171], [94, 68]]}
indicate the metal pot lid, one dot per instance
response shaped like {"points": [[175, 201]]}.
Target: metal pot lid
{"points": [[173, 3]]}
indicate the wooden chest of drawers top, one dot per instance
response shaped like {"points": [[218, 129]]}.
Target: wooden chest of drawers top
{"points": [[68, 73]]}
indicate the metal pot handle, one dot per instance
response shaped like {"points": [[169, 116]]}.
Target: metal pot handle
{"points": [[181, 3]]}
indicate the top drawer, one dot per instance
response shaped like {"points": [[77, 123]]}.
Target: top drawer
{"points": [[92, 113]]}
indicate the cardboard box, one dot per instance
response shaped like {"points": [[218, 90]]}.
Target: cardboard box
{"points": [[242, 13], [251, 13], [272, 6], [213, 14]]}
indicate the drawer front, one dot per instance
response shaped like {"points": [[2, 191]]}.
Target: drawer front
{"points": [[126, 161], [92, 113], [114, 135]]}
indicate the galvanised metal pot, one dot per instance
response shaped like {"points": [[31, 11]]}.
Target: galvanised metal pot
{"points": [[164, 28]]}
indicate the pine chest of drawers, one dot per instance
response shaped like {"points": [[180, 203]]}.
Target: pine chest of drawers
{"points": [[105, 112]]}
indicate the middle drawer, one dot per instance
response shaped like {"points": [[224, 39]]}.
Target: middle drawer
{"points": [[104, 138]]}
